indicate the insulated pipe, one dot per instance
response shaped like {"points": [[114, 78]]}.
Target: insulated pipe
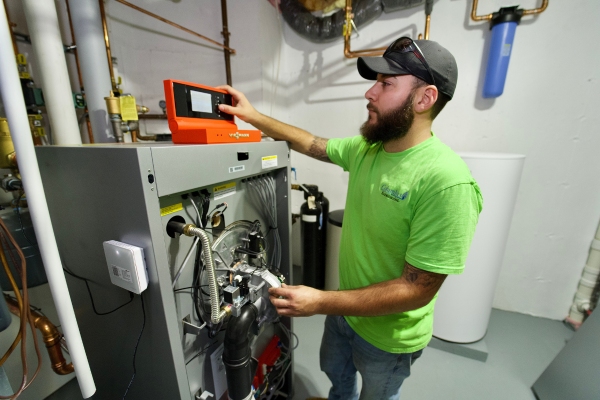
{"points": [[12, 34], [91, 51], [236, 354], [42, 22], [14, 106]]}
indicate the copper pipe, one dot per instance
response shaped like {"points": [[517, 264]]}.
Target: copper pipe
{"points": [[139, 136], [427, 24], [226, 35], [476, 17], [18, 300], [50, 335], [107, 43], [488, 17], [537, 10], [152, 116], [358, 53], [85, 109], [10, 26], [25, 314], [166, 21]]}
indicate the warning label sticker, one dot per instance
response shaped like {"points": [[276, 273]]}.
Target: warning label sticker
{"points": [[171, 209], [269, 162], [225, 190]]}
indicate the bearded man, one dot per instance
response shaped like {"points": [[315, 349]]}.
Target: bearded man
{"points": [[410, 216]]}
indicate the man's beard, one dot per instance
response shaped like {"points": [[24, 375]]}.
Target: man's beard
{"points": [[392, 125]]}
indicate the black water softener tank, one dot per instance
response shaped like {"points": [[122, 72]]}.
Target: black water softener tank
{"points": [[314, 213]]}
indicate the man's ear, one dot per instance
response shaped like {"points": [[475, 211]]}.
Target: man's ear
{"points": [[426, 98]]}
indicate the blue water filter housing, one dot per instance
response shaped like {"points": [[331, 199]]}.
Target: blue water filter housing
{"points": [[503, 25]]}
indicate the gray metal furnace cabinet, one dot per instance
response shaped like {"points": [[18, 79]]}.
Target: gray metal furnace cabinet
{"points": [[574, 373], [128, 192]]}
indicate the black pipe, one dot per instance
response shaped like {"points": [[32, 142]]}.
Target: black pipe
{"points": [[236, 354], [175, 225]]}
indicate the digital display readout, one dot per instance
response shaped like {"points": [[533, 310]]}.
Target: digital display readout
{"points": [[201, 102]]}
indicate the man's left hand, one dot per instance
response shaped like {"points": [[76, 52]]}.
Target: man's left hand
{"points": [[296, 301]]}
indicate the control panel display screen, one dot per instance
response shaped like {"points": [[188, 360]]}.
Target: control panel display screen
{"points": [[201, 102], [196, 102]]}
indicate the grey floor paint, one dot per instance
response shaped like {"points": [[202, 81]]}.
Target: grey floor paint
{"points": [[520, 348]]}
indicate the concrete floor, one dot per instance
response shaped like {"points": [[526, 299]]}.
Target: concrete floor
{"points": [[520, 348]]}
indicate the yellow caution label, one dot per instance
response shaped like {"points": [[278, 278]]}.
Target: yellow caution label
{"points": [[21, 59], [225, 190], [269, 162], [24, 75], [128, 108], [171, 209]]}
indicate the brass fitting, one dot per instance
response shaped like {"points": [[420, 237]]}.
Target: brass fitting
{"points": [[186, 229], [7, 149], [112, 104]]}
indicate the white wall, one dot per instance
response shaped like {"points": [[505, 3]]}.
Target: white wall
{"points": [[546, 111]]}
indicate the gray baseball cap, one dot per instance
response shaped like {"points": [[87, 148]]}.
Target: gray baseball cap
{"points": [[425, 59]]}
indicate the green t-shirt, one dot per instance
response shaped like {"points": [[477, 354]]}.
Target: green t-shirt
{"points": [[421, 206]]}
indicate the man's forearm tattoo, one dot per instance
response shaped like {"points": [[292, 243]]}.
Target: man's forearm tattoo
{"points": [[422, 278], [318, 149]]}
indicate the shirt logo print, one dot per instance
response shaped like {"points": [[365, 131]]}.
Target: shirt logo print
{"points": [[393, 194]]}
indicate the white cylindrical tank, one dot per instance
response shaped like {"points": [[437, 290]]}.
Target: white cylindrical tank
{"points": [[464, 303], [332, 259]]}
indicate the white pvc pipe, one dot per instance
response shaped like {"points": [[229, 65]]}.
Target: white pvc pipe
{"points": [[14, 105], [44, 31], [587, 283], [91, 49]]}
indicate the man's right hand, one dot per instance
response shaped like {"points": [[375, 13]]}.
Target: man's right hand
{"points": [[300, 140], [241, 106]]}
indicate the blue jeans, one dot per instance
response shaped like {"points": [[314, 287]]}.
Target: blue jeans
{"points": [[343, 352]]}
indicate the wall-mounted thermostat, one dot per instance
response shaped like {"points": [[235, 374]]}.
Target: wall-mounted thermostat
{"points": [[126, 266]]}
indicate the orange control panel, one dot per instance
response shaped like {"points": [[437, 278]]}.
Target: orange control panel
{"points": [[194, 116]]}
